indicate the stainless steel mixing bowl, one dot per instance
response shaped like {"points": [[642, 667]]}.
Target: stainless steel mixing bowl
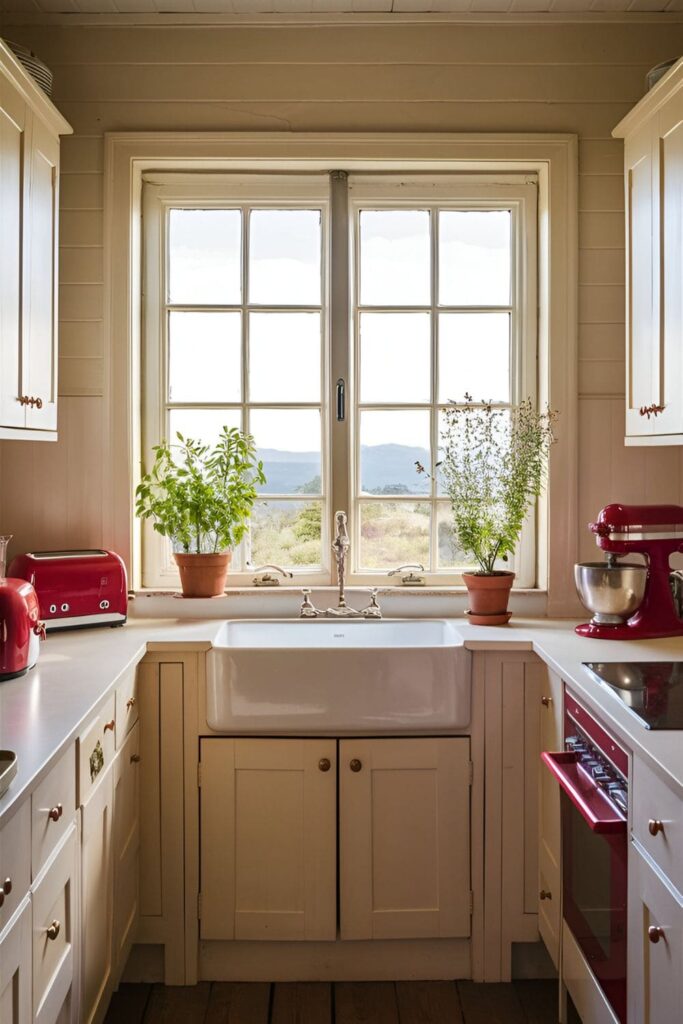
{"points": [[611, 592]]}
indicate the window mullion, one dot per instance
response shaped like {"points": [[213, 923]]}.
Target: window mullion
{"points": [[339, 323]]}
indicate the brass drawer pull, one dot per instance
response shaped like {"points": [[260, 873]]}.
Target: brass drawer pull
{"points": [[130, 703], [134, 758], [53, 930], [55, 813], [546, 701], [355, 764], [324, 764], [110, 726], [31, 400], [654, 826], [654, 934], [651, 410], [5, 890], [545, 894]]}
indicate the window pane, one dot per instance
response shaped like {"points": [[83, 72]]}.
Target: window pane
{"points": [[284, 357], [288, 533], [391, 443], [284, 257], [394, 258], [395, 357], [204, 257], [202, 424], [474, 255], [204, 357], [449, 554], [288, 442], [474, 356], [393, 533]]}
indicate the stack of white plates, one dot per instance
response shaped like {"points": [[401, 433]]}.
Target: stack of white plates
{"points": [[37, 70]]}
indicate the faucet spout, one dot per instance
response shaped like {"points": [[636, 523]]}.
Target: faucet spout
{"points": [[340, 548]]}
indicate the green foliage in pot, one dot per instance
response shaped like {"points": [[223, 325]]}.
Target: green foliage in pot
{"points": [[200, 496], [493, 468]]}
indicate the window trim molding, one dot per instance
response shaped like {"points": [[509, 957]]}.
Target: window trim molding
{"points": [[553, 157]]}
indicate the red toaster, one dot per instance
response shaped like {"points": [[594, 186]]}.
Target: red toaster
{"points": [[76, 588]]}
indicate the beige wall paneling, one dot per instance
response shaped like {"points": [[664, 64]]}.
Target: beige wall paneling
{"points": [[417, 77], [404, 838], [268, 839]]}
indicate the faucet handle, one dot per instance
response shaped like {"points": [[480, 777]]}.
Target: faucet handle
{"points": [[373, 610], [308, 609]]}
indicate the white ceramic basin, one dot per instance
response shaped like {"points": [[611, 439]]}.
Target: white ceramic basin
{"points": [[313, 677]]}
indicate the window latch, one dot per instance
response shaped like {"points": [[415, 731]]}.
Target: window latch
{"points": [[341, 400]]}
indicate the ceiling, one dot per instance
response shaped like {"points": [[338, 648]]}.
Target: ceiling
{"points": [[265, 7]]}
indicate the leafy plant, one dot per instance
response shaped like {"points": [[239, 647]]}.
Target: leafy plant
{"points": [[201, 497], [493, 468]]}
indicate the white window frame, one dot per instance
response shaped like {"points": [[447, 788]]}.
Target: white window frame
{"points": [[553, 157], [161, 193]]}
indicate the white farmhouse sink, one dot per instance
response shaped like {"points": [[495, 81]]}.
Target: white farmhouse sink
{"points": [[313, 677]]}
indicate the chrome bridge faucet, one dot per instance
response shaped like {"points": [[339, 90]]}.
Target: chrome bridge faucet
{"points": [[340, 547]]}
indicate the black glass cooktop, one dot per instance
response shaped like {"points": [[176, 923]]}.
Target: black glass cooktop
{"points": [[651, 690]]}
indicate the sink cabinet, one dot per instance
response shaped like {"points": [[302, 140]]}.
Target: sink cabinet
{"points": [[269, 827]]}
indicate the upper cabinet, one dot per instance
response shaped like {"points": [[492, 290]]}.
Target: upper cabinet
{"points": [[30, 127], [653, 163]]}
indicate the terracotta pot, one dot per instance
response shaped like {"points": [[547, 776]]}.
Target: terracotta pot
{"points": [[489, 597], [203, 575]]}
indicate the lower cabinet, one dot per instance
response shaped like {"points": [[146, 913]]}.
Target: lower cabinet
{"points": [[55, 930], [549, 852], [15, 969], [126, 847], [96, 898], [655, 951], [271, 820]]}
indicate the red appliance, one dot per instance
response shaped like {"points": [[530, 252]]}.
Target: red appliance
{"points": [[20, 627], [593, 775], [655, 531], [76, 588]]}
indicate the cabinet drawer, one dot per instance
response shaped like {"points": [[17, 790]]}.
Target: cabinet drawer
{"points": [[15, 861], [96, 746], [15, 969], [126, 705], [657, 807], [54, 920], [52, 809]]}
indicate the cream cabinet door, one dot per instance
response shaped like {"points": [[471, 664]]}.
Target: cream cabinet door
{"points": [[96, 897], [268, 839], [404, 838], [13, 121], [15, 969], [55, 934], [655, 945], [39, 347], [642, 282], [126, 843], [549, 852]]}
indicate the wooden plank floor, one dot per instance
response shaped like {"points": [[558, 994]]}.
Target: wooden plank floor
{"points": [[418, 1002]]}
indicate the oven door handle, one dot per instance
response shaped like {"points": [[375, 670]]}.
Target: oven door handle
{"points": [[596, 808]]}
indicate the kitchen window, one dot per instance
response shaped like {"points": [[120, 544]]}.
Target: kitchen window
{"points": [[334, 316]]}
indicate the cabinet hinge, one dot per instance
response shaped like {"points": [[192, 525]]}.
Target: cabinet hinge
{"points": [[471, 772], [199, 906], [199, 774]]}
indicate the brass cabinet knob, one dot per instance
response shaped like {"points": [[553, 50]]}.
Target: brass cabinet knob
{"points": [[110, 726], [2, 896], [53, 930], [655, 933], [654, 826], [134, 758], [55, 813], [545, 894], [6, 887], [324, 764], [355, 764], [546, 701], [130, 703]]}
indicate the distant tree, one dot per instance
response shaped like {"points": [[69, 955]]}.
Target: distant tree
{"points": [[308, 523]]}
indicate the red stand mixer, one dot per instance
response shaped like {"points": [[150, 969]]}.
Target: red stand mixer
{"points": [[631, 601]]}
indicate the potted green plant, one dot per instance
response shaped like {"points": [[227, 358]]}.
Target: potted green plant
{"points": [[201, 498], [493, 467]]}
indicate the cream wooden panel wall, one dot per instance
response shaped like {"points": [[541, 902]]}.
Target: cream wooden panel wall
{"points": [[575, 77]]}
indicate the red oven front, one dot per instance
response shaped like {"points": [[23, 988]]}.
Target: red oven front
{"points": [[593, 775]]}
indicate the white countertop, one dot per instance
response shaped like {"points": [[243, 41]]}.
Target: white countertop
{"points": [[45, 710]]}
